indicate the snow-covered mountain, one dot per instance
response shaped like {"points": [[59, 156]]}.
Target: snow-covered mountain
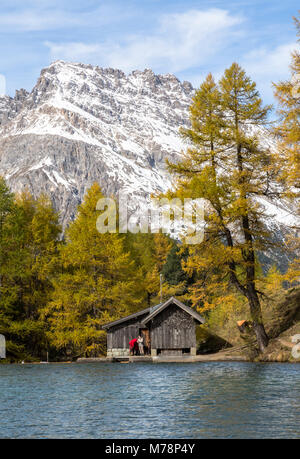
{"points": [[82, 124]]}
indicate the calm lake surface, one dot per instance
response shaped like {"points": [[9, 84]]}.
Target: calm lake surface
{"points": [[200, 400]]}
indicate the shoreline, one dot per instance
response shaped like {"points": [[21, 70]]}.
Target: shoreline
{"points": [[190, 359], [105, 360]]}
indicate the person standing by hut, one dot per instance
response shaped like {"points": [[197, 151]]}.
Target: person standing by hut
{"points": [[140, 342], [133, 346]]}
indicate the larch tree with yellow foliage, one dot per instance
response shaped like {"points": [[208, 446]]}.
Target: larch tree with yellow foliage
{"points": [[30, 237], [288, 130], [96, 284], [227, 165], [149, 252]]}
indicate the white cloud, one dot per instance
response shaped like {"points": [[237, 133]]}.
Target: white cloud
{"points": [[263, 65], [35, 20], [51, 15], [2, 85], [181, 41], [76, 51], [269, 65]]}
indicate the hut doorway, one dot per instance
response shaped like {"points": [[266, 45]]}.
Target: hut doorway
{"points": [[145, 332]]}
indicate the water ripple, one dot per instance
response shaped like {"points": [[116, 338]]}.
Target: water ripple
{"points": [[205, 400]]}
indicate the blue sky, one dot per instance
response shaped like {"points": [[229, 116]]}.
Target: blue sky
{"points": [[185, 37]]}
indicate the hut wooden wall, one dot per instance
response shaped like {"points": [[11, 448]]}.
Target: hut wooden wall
{"points": [[173, 328], [118, 337]]}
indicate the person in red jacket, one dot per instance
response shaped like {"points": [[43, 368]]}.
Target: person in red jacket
{"points": [[133, 346]]}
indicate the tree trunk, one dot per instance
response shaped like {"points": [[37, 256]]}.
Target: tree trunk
{"points": [[256, 315], [261, 336]]}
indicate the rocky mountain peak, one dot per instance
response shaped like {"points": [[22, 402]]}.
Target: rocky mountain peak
{"points": [[83, 123]]}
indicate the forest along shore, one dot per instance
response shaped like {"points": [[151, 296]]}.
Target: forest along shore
{"points": [[282, 317]]}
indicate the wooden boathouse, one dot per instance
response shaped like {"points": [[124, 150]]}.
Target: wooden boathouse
{"points": [[168, 329]]}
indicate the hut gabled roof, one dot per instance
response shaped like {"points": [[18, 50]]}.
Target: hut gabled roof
{"points": [[153, 311], [160, 307], [126, 319]]}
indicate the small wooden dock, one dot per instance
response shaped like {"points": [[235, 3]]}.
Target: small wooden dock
{"points": [[217, 357]]}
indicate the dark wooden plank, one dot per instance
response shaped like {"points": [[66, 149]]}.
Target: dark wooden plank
{"points": [[173, 328], [118, 337]]}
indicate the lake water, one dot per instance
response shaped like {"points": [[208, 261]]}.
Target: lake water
{"points": [[214, 400]]}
